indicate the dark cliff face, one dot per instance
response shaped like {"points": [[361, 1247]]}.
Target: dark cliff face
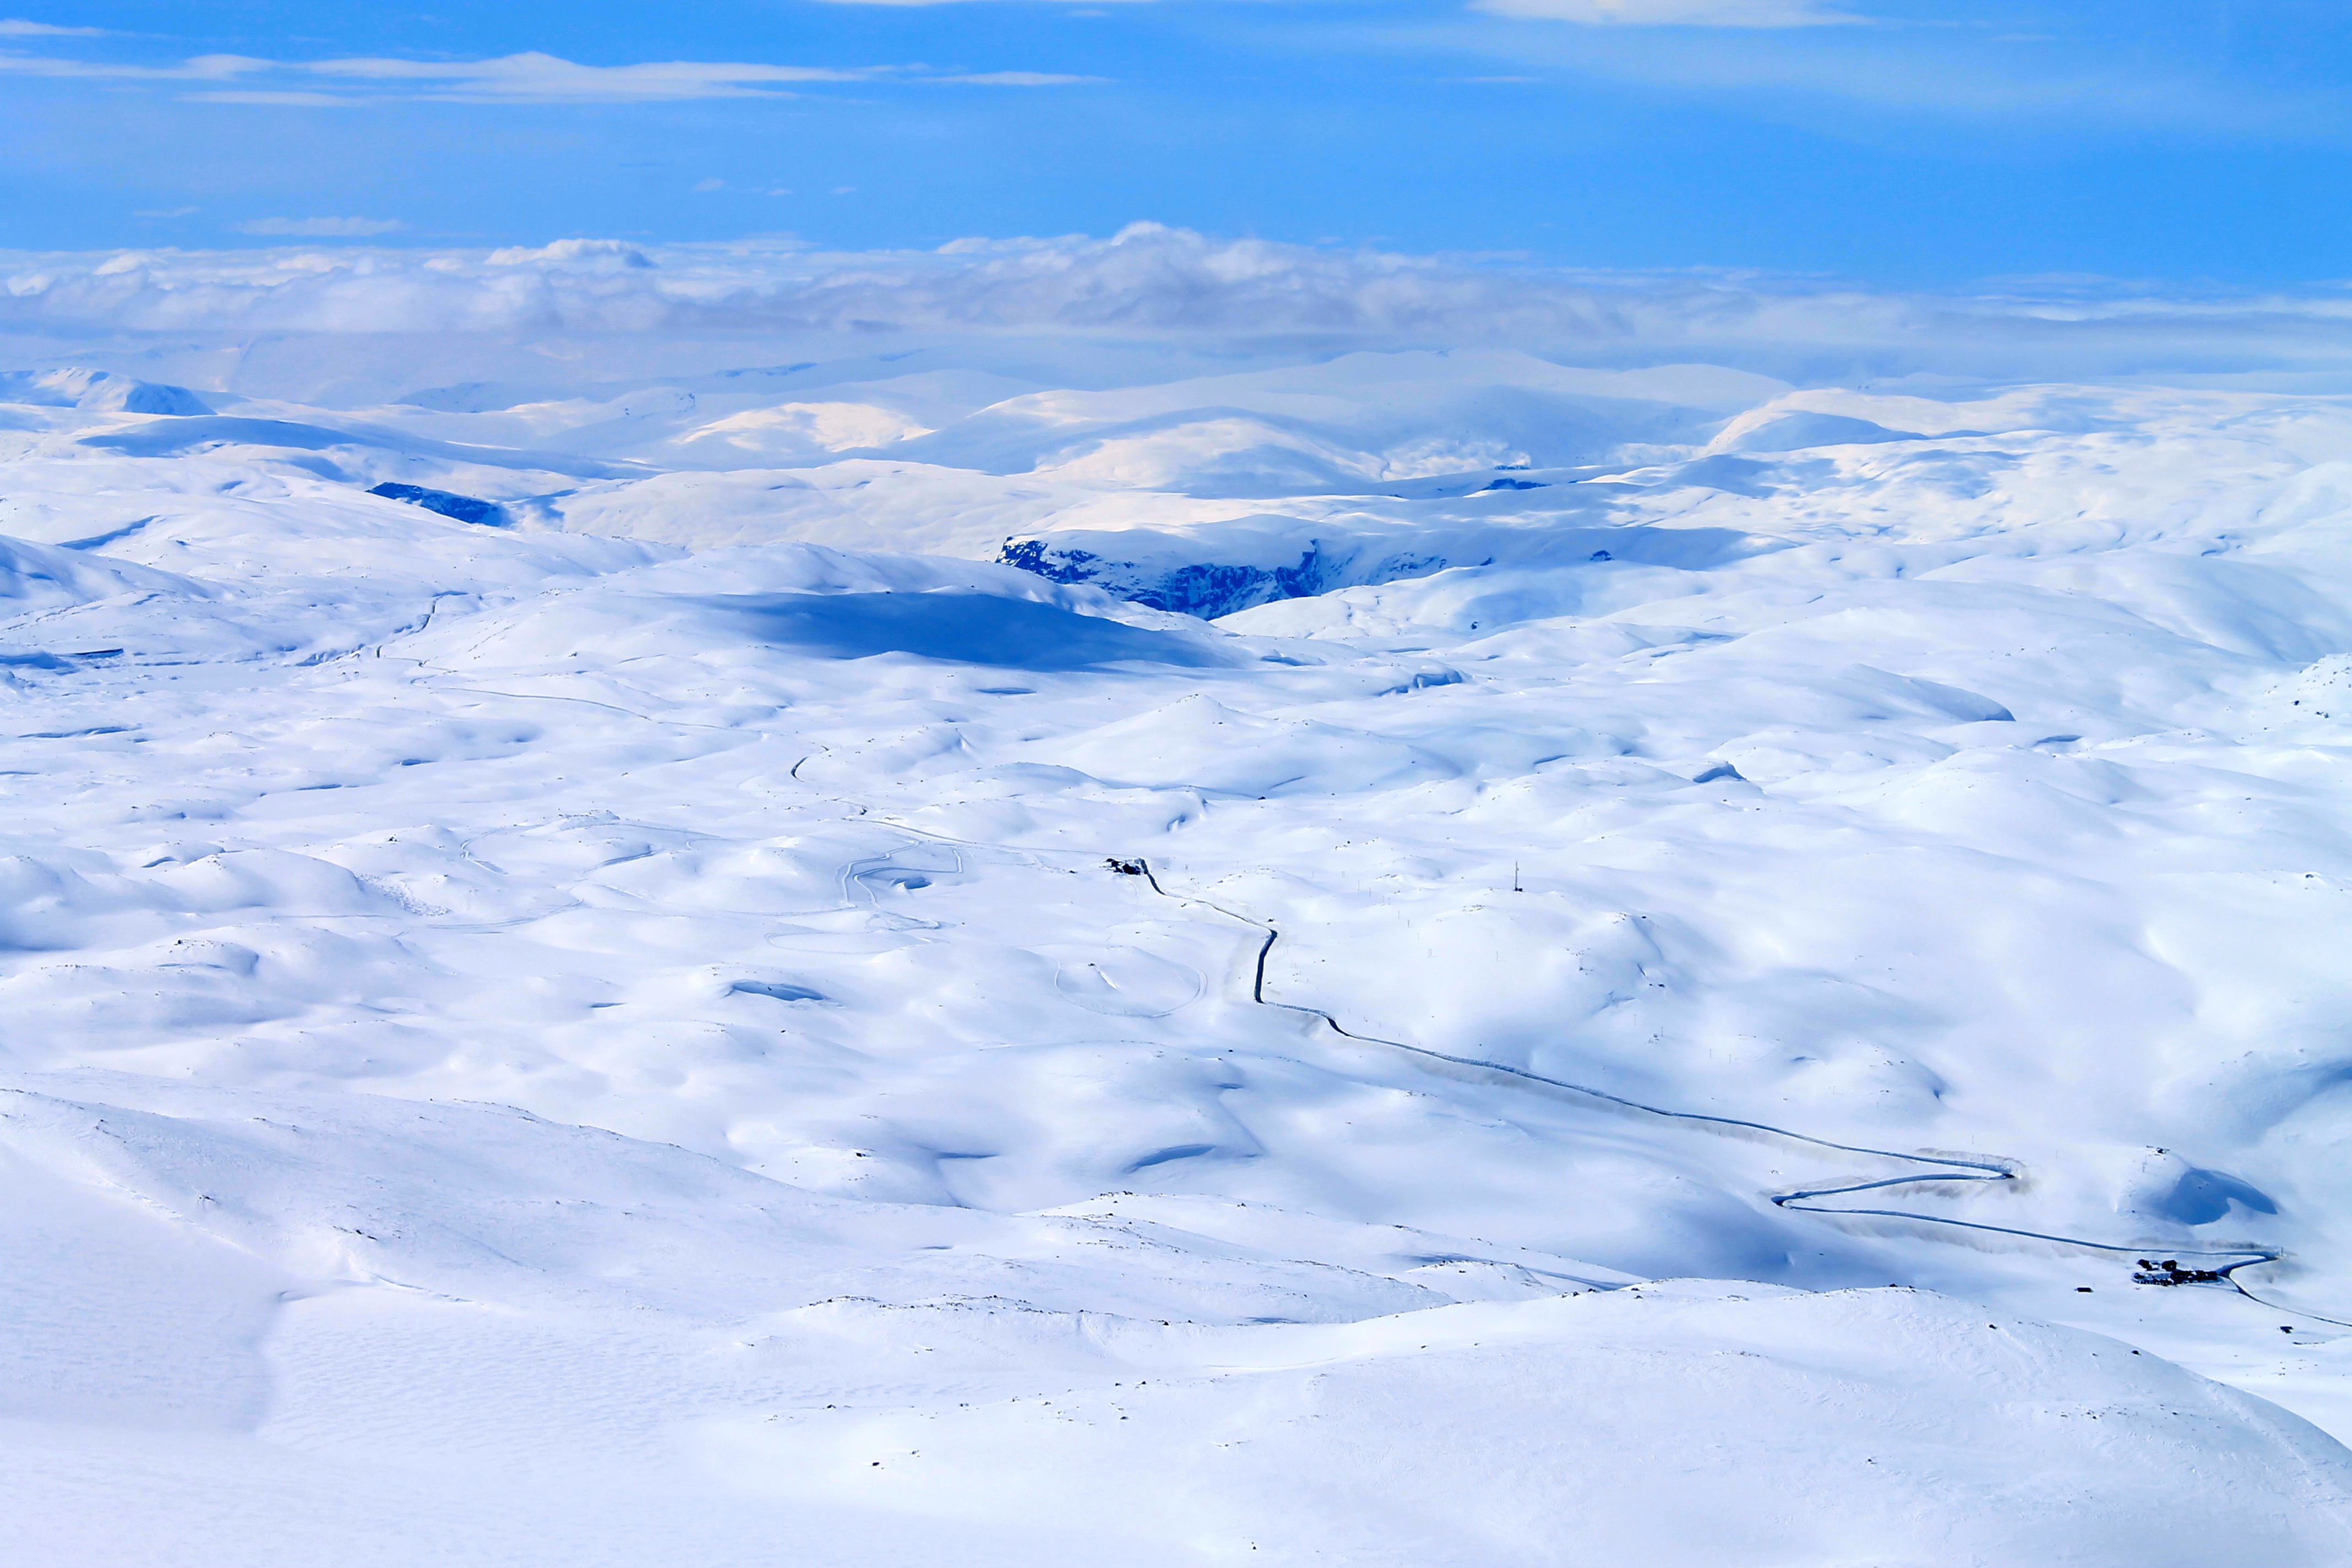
{"points": [[1413, 528], [1209, 589], [464, 509], [1206, 589]]}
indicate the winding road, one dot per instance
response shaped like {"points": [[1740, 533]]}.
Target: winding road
{"points": [[1924, 1168], [1804, 1200]]}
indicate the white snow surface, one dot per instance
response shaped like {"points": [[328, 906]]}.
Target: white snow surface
{"points": [[613, 1035]]}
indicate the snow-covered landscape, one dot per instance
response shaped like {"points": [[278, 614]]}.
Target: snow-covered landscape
{"points": [[657, 942]]}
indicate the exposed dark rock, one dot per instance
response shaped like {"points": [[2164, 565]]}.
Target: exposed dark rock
{"points": [[465, 509]]}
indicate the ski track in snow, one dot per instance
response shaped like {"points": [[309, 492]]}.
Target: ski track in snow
{"points": [[564, 1000]]}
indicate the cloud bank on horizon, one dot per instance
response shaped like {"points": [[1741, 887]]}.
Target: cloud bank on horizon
{"points": [[1908, 142], [167, 314]]}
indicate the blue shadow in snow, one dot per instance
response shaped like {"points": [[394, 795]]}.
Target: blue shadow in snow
{"points": [[776, 990], [2200, 1197], [969, 628], [1167, 1156]]}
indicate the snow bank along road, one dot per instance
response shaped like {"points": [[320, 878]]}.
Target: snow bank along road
{"points": [[564, 999]]}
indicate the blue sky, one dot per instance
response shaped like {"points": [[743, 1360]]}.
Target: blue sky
{"points": [[1919, 143]]}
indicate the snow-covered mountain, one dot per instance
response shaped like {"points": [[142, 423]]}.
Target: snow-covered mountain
{"points": [[1418, 958]]}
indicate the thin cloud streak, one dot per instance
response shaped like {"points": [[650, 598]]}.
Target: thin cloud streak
{"points": [[1749, 13], [1899, 77], [17, 27], [1020, 78], [536, 78], [910, 4], [523, 79], [202, 68]]}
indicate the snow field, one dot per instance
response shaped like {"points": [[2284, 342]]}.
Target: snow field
{"points": [[534, 1044]]}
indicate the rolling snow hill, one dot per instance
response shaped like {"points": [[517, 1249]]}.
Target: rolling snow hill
{"points": [[1419, 959]]}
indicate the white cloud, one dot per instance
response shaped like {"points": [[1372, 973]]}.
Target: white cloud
{"points": [[1155, 285], [1675, 13], [573, 253], [544, 79], [17, 27], [321, 227], [202, 68]]}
